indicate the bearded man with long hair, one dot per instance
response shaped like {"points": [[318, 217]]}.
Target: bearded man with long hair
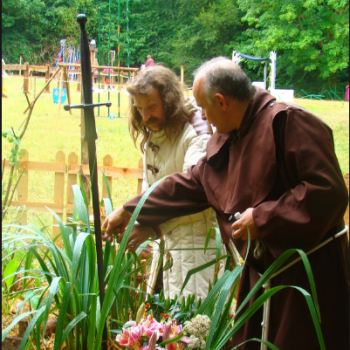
{"points": [[172, 137]]}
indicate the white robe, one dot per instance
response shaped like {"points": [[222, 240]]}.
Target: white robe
{"points": [[182, 232]]}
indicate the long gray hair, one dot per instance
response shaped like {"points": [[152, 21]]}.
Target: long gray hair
{"points": [[171, 93]]}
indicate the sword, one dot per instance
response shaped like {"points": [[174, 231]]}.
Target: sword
{"points": [[90, 137]]}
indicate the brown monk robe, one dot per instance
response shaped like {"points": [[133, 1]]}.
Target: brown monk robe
{"points": [[282, 163]]}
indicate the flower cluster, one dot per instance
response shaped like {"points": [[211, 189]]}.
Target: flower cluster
{"points": [[147, 333], [198, 328]]}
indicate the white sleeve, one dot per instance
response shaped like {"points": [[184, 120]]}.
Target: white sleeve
{"points": [[196, 150]]}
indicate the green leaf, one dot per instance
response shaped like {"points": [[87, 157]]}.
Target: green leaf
{"points": [[9, 273], [62, 317], [79, 203], [116, 278]]}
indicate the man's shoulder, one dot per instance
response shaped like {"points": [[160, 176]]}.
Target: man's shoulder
{"points": [[200, 126]]}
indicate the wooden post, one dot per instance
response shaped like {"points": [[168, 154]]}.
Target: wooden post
{"points": [[139, 181], [182, 74], [71, 180], [34, 90], [22, 186], [26, 78], [79, 81], [47, 78], [59, 193], [20, 62], [59, 92], [66, 85], [30, 80]]}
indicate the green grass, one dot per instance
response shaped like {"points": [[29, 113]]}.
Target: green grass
{"points": [[49, 132]]}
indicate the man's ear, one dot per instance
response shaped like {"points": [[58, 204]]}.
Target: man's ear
{"points": [[220, 99]]}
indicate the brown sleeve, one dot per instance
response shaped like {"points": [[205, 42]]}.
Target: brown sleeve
{"points": [[177, 195], [317, 198]]}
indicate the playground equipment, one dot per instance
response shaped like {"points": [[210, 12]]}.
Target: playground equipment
{"points": [[284, 95]]}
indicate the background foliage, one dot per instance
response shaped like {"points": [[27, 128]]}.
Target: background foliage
{"points": [[311, 37]]}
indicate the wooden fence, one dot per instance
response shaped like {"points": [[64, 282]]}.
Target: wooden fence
{"points": [[68, 69], [66, 175]]}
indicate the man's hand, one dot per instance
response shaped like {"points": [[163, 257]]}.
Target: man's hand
{"points": [[239, 227], [115, 223], [138, 235]]}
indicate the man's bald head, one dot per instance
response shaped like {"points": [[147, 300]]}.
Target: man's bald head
{"points": [[223, 76]]}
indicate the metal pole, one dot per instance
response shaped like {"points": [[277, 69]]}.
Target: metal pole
{"points": [[109, 52], [99, 58], [128, 32], [119, 58]]}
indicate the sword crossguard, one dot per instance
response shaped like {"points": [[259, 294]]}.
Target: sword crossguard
{"points": [[87, 105]]}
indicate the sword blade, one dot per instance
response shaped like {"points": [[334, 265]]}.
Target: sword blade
{"points": [[91, 136]]}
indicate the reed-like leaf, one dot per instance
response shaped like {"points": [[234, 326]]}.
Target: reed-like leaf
{"points": [[267, 343], [115, 273], [107, 189], [71, 325], [200, 268], [30, 328], [257, 304], [14, 322], [213, 293], [64, 234], [270, 271], [207, 238], [92, 325], [62, 316], [80, 205], [54, 288], [222, 301], [77, 253]]}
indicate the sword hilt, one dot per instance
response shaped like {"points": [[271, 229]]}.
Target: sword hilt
{"points": [[87, 105]]}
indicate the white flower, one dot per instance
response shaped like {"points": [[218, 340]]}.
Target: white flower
{"points": [[194, 342]]}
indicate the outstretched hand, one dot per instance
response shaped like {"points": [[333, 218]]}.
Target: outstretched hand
{"points": [[115, 223], [138, 235], [239, 227]]}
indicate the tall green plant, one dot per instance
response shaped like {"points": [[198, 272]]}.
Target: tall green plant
{"points": [[70, 289]]}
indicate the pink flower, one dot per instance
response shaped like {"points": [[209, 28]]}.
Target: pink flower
{"points": [[150, 325], [170, 331], [130, 337]]}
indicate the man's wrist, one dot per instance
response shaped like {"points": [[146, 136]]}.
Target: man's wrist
{"points": [[157, 233]]}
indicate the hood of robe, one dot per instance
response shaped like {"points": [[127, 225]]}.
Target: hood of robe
{"points": [[230, 156]]}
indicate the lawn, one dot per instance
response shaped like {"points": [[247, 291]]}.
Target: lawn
{"points": [[50, 132]]}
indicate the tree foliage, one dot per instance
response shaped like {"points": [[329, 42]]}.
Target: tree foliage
{"points": [[311, 37]]}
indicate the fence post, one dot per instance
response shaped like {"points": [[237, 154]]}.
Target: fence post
{"points": [[66, 85], [26, 77], [59, 193], [47, 77], [182, 74], [78, 81], [71, 180], [23, 185]]}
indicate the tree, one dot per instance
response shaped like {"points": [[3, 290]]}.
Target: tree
{"points": [[311, 38]]}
